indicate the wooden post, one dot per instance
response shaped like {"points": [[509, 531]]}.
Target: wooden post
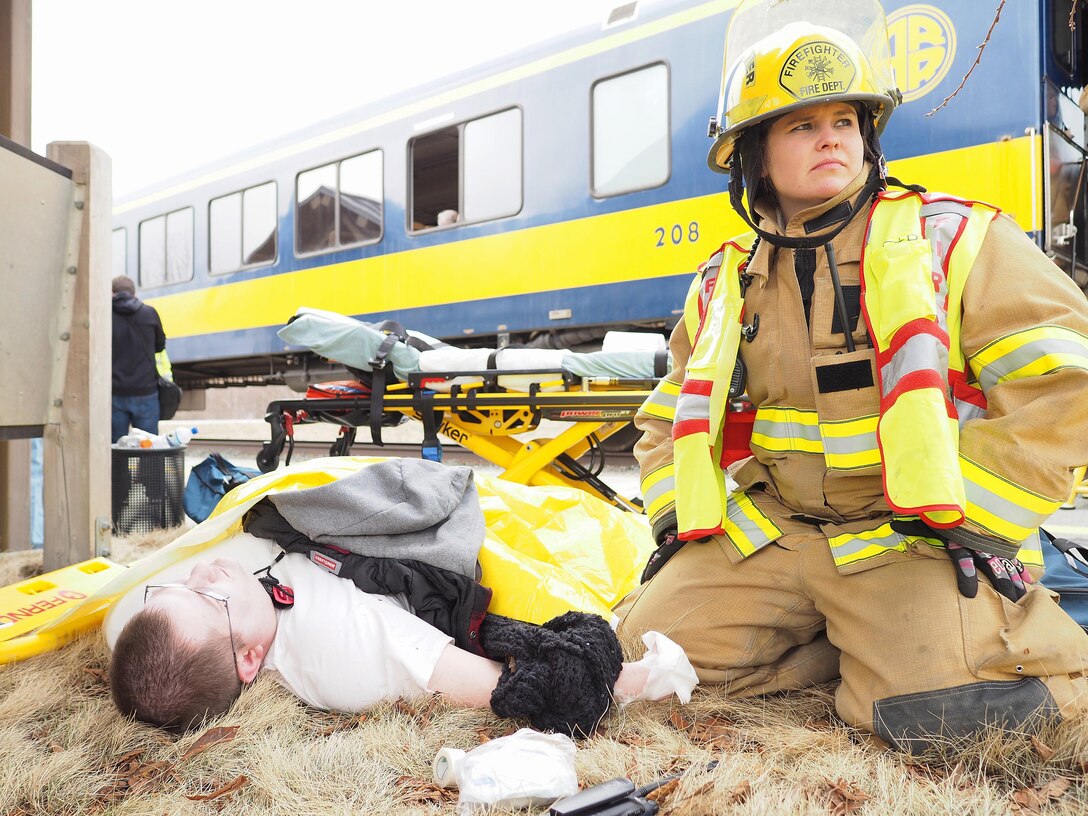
{"points": [[15, 69], [15, 124], [76, 456]]}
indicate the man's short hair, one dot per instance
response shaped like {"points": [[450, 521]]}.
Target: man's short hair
{"points": [[159, 677], [123, 283]]}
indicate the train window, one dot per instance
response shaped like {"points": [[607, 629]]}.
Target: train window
{"points": [[1063, 39], [468, 172], [361, 193], [166, 248], [225, 233], [492, 166], [631, 131], [259, 224], [436, 173], [1067, 233], [179, 245], [120, 245], [242, 229], [339, 204], [315, 209]]}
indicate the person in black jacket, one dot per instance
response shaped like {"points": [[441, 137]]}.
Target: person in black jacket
{"points": [[137, 338]]}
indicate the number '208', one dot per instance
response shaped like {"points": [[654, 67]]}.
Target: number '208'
{"points": [[677, 234]]}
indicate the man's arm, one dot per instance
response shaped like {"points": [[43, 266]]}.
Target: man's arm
{"points": [[469, 679], [160, 335], [464, 677]]}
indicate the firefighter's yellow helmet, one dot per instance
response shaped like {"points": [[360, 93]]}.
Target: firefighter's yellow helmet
{"points": [[776, 60]]}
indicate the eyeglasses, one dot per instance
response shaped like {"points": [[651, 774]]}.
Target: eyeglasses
{"points": [[218, 597]]}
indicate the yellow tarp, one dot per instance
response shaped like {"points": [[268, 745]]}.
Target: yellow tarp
{"points": [[547, 550]]}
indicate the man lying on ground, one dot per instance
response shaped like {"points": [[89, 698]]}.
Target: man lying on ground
{"points": [[188, 651]]}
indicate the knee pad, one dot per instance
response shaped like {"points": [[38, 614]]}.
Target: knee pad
{"points": [[915, 722]]}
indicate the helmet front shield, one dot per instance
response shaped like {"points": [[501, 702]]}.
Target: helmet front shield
{"points": [[784, 54]]}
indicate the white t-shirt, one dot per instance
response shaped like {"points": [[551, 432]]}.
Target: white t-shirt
{"points": [[337, 648]]}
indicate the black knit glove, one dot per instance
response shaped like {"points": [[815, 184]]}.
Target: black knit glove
{"points": [[558, 676]]}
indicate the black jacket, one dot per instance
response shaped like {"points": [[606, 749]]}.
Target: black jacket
{"points": [[450, 602], [137, 338]]}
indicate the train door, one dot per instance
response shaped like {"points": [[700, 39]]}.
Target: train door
{"points": [[1065, 180]]}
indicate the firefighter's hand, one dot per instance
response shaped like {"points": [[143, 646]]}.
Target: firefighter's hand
{"points": [[667, 547], [1007, 575]]}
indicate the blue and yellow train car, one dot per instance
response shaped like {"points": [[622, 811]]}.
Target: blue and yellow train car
{"points": [[556, 194]]}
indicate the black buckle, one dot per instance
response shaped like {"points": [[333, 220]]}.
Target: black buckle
{"points": [[749, 331]]}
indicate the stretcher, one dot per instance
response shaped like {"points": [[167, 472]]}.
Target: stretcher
{"points": [[485, 419], [482, 408], [27, 607]]}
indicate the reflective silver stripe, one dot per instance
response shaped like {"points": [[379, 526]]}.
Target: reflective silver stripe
{"points": [[923, 352], [663, 399], [652, 494], [712, 268], [854, 545], [992, 373], [967, 411], [692, 406], [843, 445], [1010, 512], [1031, 550], [943, 221], [930, 209], [754, 535], [787, 430]]}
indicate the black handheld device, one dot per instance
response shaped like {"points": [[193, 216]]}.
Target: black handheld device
{"points": [[616, 797], [592, 800]]}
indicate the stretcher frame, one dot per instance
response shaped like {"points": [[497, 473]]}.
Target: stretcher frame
{"points": [[483, 417]]}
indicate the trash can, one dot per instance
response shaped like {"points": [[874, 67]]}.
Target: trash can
{"points": [[147, 489]]}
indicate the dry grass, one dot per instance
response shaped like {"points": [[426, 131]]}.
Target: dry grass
{"points": [[64, 750]]}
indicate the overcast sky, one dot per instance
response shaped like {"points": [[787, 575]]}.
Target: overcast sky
{"points": [[164, 85]]}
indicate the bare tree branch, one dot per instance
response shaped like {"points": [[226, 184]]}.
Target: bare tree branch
{"points": [[1072, 15], [978, 58]]}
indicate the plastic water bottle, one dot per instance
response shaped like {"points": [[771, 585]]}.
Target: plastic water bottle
{"points": [[147, 440], [179, 437]]}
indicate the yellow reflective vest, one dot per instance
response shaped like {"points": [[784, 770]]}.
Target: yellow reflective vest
{"points": [[918, 252]]}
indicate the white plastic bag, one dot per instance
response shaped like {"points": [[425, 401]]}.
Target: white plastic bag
{"points": [[521, 770], [668, 671]]}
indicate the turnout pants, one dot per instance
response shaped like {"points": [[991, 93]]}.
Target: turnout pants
{"points": [[919, 663]]}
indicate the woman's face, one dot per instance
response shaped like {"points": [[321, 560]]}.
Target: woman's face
{"points": [[812, 153]]}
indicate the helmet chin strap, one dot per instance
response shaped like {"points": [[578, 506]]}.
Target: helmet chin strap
{"points": [[874, 183]]}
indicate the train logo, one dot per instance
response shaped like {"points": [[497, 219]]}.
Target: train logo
{"points": [[923, 44]]}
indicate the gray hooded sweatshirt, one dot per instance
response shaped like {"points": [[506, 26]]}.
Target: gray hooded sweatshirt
{"points": [[400, 508]]}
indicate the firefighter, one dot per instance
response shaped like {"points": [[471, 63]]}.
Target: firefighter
{"points": [[920, 374]]}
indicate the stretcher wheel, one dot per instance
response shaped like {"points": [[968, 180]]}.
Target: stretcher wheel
{"points": [[269, 457]]}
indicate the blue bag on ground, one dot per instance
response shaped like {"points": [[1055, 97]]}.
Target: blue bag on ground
{"points": [[208, 482], [1067, 574]]}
